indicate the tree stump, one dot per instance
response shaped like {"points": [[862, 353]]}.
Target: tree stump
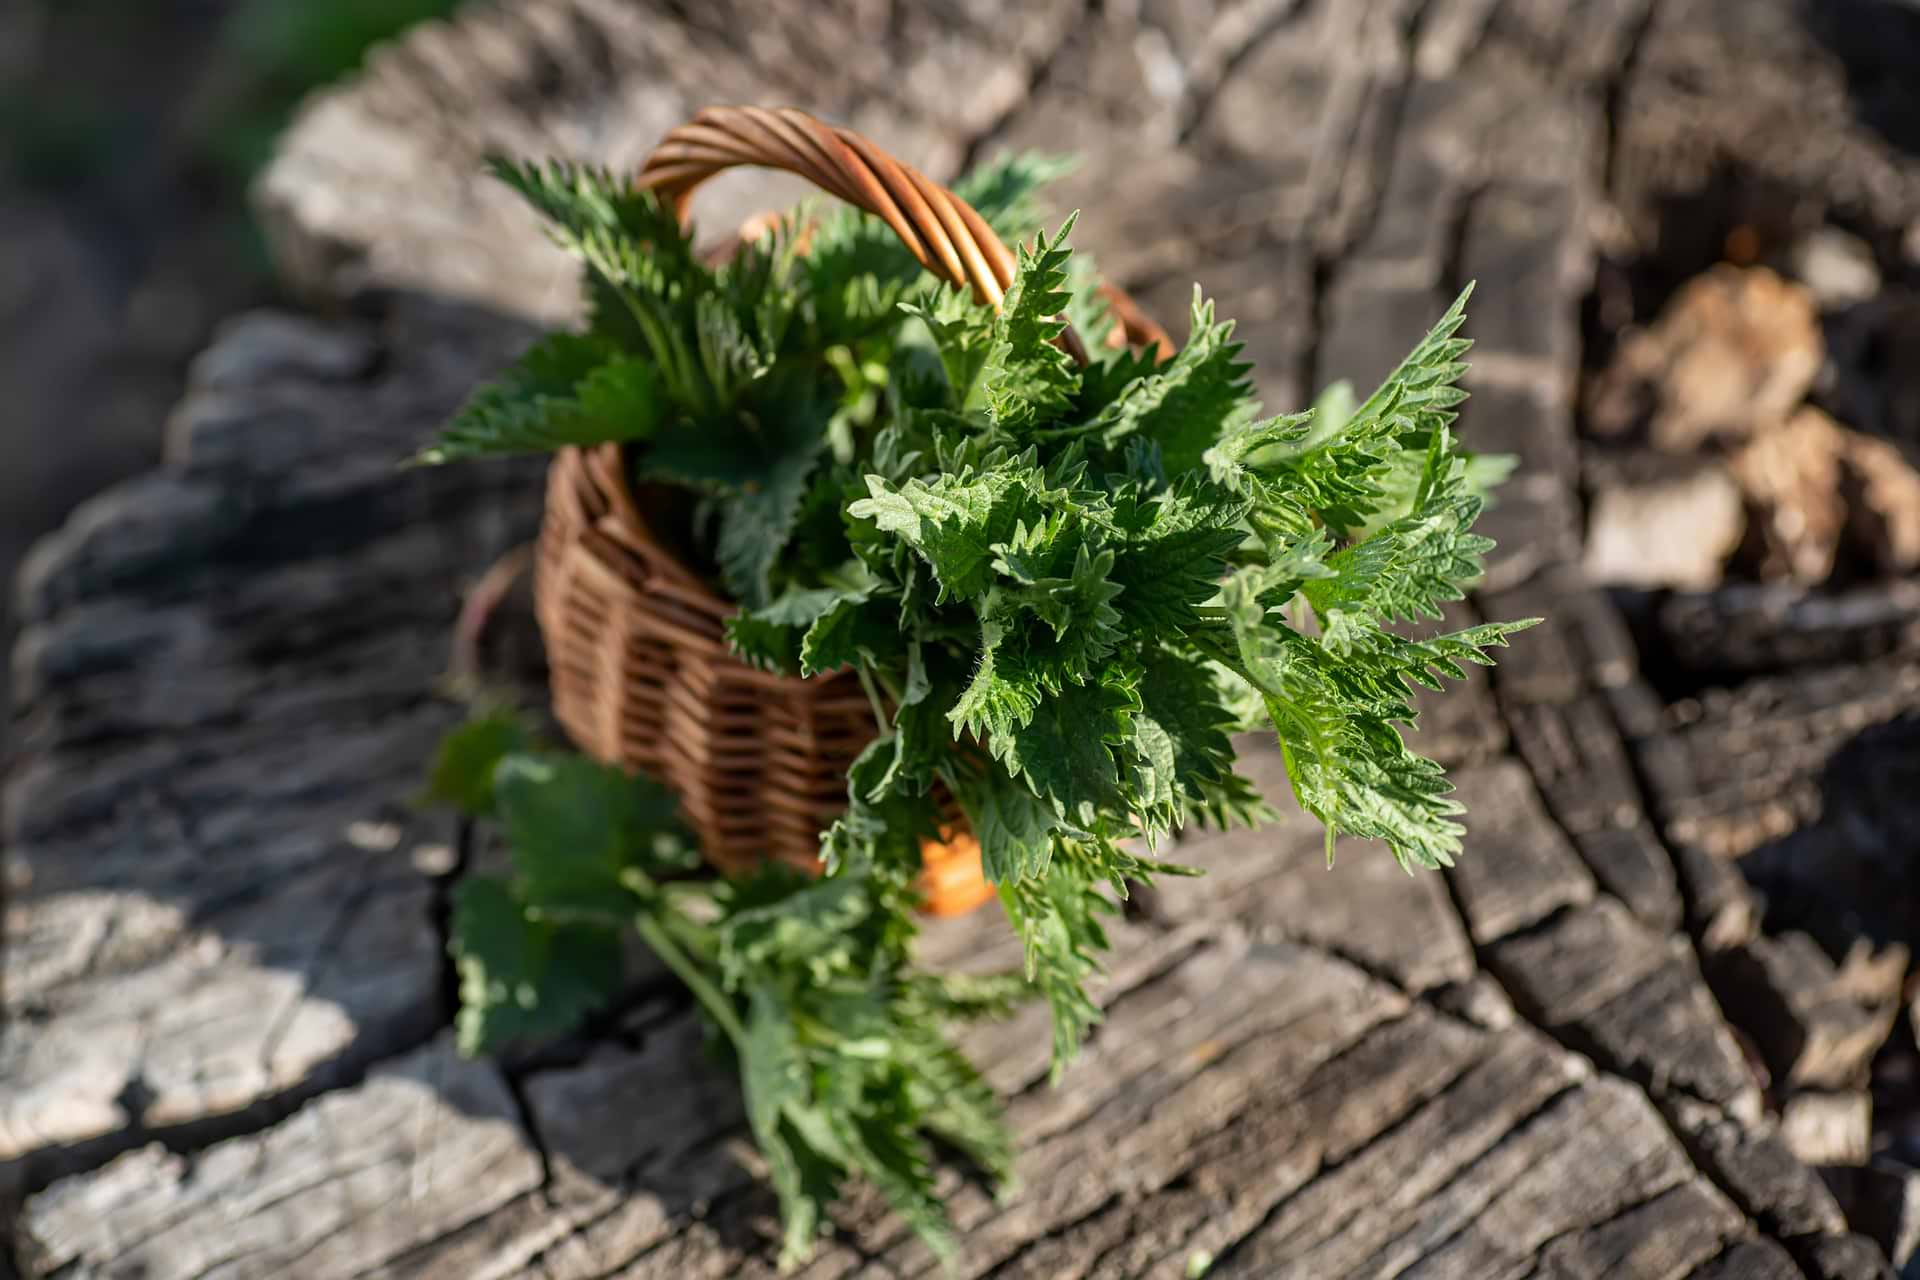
{"points": [[227, 1048]]}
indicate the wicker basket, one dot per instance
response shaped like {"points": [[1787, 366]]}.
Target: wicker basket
{"points": [[641, 673]]}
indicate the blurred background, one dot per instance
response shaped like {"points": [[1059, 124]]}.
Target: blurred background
{"points": [[129, 131]]}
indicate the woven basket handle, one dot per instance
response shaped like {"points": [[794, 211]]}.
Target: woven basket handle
{"points": [[941, 229]]}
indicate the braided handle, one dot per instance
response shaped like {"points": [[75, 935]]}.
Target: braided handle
{"points": [[941, 229]]}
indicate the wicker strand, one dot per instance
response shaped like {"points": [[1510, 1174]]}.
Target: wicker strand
{"points": [[954, 245]]}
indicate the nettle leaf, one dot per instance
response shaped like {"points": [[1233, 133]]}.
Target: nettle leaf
{"points": [[1078, 623], [1059, 916], [920, 739], [567, 390], [773, 1080], [524, 978], [1415, 563], [957, 1105], [856, 629], [883, 1140], [1002, 695], [806, 932], [756, 524], [574, 826], [1190, 403], [1347, 764], [1178, 549], [462, 772], [954, 522], [962, 332], [1065, 752], [1183, 698], [1027, 378], [1014, 826], [769, 637], [1344, 469], [1228, 460]]}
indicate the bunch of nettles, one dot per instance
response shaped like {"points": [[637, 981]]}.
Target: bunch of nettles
{"points": [[1063, 586]]}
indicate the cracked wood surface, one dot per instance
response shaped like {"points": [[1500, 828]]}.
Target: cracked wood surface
{"points": [[226, 1051], [219, 899]]}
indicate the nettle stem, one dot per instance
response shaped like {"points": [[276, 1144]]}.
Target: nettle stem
{"points": [[658, 934]]}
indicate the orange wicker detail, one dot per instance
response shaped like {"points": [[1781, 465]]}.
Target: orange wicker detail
{"points": [[641, 673]]}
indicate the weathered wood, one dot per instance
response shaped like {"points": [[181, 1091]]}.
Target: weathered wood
{"points": [[1753, 1164], [1744, 629], [1738, 769], [1829, 1128], [1847, 1257], [354, 1179], [223, 901], [1750, 1260], [1632, 999], [1724, 911], [1882, 1202], [1813, 1032], [1664, 1236], [1520, 868]]}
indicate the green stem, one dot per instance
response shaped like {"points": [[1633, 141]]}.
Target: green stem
{"points": [[1069, 433], [865, 672], [656, 935]]}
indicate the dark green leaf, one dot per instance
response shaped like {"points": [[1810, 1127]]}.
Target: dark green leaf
{"points": [[462, 773], [1014, 826], [1066, 751], [573, 826], [523, 978]]}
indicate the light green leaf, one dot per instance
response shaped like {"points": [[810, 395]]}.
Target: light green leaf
{"points": [[1027, 378]]}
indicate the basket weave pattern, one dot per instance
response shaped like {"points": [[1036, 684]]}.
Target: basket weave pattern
{"points": [[641, 673], [642, 677]]}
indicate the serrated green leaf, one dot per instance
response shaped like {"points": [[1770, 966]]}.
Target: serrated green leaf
{"points": [[854, 630], [566, 390], [807, 931], [755, 526], [523, 978], [773, 1080], [1190, 404], [1183, 698], [1027, 378], [1175, 557], [1014, 826], [573, 826], [953, 523], [1065, 752], [769, 638], [962, 332]]}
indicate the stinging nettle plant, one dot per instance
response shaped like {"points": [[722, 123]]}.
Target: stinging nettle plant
{"points": [[1062, 587]]}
